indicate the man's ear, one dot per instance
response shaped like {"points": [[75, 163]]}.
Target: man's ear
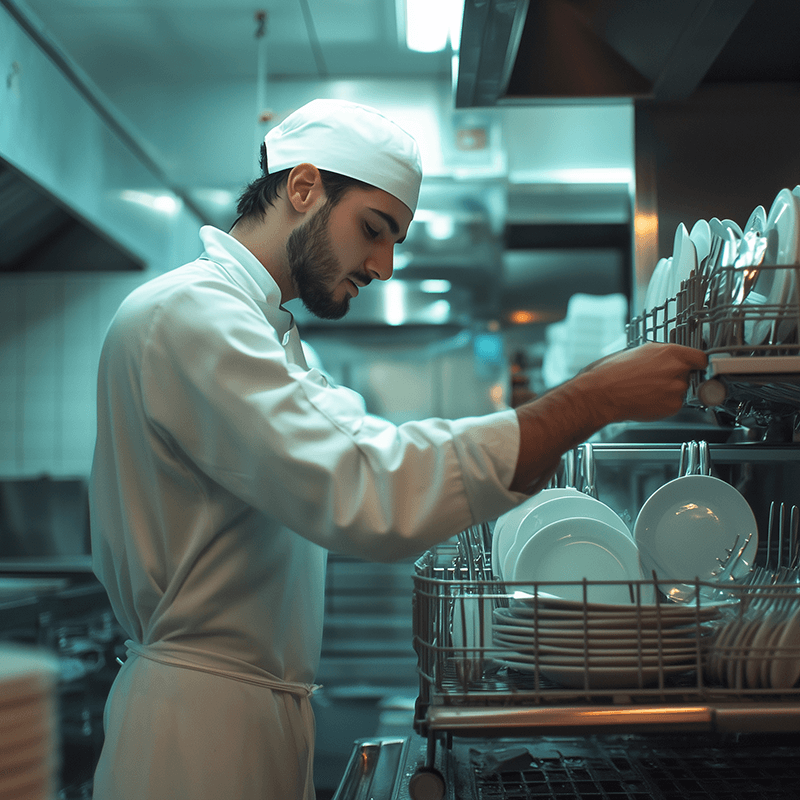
{"points": [[304, 187]]}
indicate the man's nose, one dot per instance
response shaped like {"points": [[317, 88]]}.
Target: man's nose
{"points": [[380, 264]]}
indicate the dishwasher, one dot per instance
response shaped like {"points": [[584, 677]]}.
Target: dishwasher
{"points": [[495, 719]]}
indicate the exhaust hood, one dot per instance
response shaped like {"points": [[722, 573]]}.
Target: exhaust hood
{"points": [[72, 177], [533, 51], [39, 234]]}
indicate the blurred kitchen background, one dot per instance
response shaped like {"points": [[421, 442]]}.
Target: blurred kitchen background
{"points": [[562, 142]]}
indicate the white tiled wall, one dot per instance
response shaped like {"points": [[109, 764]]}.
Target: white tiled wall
{"points": [[51, 331]]}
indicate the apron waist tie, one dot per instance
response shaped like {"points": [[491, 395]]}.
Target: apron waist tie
{"points": [[301, 690], [276, 684]]}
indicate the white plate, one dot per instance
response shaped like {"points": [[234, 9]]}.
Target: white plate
{"points": [[596, 627], [777, 286], [578, 548], [684, 258], [608, 637], [556, 510], [591, 634], [657, 287], [25, 673], [690, 522], [700, 234], [599, 677], [607, 658], [573, 648], [505, 529], [785, 670]]}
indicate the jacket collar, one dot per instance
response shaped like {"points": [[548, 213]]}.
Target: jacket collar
{"points": [[248, 272]]}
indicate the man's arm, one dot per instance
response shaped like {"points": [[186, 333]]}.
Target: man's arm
{"points": [[644, 383]]}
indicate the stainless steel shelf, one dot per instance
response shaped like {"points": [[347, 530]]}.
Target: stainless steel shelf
{"points": [[753, 452]]}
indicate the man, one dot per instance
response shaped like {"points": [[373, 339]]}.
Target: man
{"points": [[225, 469]]}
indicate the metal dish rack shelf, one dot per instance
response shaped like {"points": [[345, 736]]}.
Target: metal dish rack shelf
{"points": [[467, 689], [753, 347]]}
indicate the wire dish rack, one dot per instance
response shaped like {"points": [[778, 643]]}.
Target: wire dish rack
{"points": [[751, 338], [509, 658]]}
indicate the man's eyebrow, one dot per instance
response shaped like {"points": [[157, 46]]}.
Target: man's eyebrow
{"points": [[390, 221]]}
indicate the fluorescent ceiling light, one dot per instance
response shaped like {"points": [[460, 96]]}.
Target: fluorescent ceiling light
{"points": [[164, 203], [430, 24], [435, 286], [582, 175]]}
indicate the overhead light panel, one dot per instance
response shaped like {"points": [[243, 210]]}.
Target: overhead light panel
{"points": [[429, 25]]}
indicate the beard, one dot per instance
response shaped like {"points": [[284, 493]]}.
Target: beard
{"points": [[314, 268]]}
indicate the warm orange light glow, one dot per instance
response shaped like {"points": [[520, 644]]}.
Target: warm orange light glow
{"points": [[646, 226], [498, 395], [522, 317]]}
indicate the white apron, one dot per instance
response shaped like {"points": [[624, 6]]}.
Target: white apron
{"points": [[201, 732]]}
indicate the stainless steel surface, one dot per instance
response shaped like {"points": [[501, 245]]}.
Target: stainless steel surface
{"points": [[98, 199], [557, 50], [501, 697], [373, 770], [626, 767]]}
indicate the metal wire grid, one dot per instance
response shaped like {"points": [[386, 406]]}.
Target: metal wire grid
{"points": [[470, 673], [710, 314], [638, 770], [706, 313]]}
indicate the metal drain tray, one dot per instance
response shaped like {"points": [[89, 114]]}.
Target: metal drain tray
{"points": [[629, 767], [625, 767]]}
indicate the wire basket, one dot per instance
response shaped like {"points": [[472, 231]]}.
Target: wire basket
{"points": [[751, 339], [643, 664]]}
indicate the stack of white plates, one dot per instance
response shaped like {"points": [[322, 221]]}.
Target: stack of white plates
{"points": [[600, 645], [565, 535], [28, 725]]}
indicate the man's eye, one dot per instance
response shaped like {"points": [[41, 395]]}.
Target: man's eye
{"points": [[371, 232]]}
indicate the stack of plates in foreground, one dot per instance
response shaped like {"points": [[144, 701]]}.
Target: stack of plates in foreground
{"points": [[598, 645], [28, 725]]}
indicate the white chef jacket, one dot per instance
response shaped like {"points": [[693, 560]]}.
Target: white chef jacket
{"points": [[224, 470]]}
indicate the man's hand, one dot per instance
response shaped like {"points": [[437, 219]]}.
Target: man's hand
{"points": [[644, 383]]}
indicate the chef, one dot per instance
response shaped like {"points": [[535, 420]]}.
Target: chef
{"points": [[225, 468]]}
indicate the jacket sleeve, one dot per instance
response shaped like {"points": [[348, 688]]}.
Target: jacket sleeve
{"points": [[218, 389]]}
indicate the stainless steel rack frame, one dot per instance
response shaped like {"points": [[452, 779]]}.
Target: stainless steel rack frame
{"points": [[753, 347], [464, 688]]}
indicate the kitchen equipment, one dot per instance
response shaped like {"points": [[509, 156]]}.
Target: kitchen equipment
{"points": [[622, 766], [745, 314]]}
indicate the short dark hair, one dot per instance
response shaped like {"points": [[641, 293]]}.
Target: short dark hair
{"points": [[263, 191]]}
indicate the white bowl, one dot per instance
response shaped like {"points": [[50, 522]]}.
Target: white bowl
{"points": [[577, 548]]}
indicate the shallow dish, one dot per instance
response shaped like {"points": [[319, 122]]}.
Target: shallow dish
{"points": [[599, 677], [505, 529], [556, 510], [777, 286], [684, 258], [576, 549], [691, 522]]}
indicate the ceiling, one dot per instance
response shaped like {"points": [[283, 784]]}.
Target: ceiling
{"points": [[174, 41], [188, 78]]}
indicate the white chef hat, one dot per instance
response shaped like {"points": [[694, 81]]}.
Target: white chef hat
{"points": [[352, 140]]}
